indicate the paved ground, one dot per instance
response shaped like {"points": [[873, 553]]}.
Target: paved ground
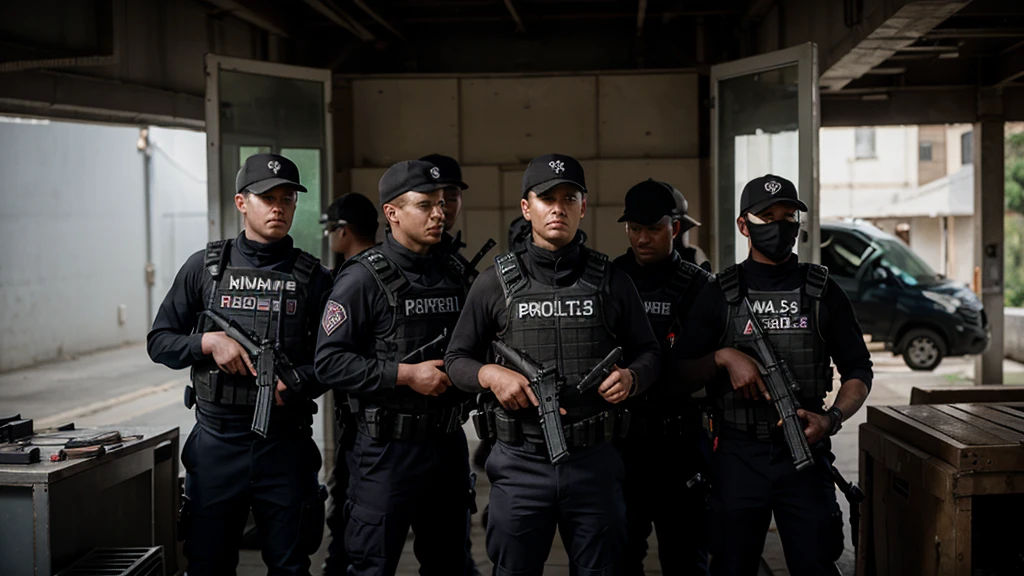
{"points": [[122, 387]]}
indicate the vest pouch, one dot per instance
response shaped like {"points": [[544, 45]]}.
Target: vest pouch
{"points": [[507, 429]]}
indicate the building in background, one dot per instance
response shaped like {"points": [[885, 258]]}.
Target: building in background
{"points": [[916, 182]]}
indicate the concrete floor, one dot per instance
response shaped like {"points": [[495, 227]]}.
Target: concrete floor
{"points": [[122, 387]]}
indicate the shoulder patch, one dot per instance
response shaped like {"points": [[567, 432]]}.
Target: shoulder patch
{"points": [[334, 316]]}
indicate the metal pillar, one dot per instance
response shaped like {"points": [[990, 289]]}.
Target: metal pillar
{"points": [[988, 241]]}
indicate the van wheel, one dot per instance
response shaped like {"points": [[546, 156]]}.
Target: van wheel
{"points": [[923, 349]]}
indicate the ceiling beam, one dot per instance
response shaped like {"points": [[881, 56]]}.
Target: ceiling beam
{"points": [[1011, 64], [263, 16], [515, 16], [378, 18], [913, 20], [641, 13], [341, 18]]}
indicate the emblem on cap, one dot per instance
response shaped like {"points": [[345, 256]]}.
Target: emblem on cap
{"points": [[773, 187], [435, 173], [274, 166], [557, 166]]}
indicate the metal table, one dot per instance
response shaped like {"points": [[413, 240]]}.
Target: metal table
{"points": [[52, 513]]}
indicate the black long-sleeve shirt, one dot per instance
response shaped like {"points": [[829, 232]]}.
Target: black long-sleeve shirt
{"points": [[654, 277], [706, 324], [346, 357], [173, 340], [484, 316]]}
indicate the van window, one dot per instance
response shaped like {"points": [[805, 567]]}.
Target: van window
{"points": [[843, 253]]}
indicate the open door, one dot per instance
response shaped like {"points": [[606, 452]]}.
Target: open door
{"points": [[765, 120], [254, 107]]}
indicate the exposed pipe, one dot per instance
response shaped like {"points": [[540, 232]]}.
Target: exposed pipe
{"points": [[641, 13], [341, 18], [515, 16], [380, 20], [150, 269]]}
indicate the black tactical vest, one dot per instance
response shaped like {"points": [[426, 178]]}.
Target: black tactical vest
{"points": [[418, 315], [790, 320], [560, 325], [265, 304], [667, 307]]}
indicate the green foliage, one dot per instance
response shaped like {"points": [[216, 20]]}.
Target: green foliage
{"points": [[1014, 221]]}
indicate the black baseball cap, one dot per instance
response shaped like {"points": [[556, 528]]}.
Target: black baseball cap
{"points": [[648, 202], [263, 172], [762, 192], [451, 172], [683, 209], [547, 171], [352, 207], [409, 176]]}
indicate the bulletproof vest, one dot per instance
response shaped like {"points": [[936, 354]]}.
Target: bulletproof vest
{"points": [[560, 325], [265, 304], [790, 320], [418, 315], [667, 307]]}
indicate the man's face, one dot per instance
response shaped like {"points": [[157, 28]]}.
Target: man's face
{"points": [[336, 237], [775, 213], [270, 214], [452, 205], [652, 242], [555, 214], [419, 215]]}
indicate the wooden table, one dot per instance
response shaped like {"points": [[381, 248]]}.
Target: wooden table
{"points": [[52, 513], [939, 478]]}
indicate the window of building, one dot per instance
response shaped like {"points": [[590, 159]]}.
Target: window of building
{"points": [[865, 142], [967, 147], [925, 152]]}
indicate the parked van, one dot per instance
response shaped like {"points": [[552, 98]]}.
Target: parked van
{"points": [[899, 299]]}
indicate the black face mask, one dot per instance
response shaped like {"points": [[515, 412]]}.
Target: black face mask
{"points": [[775, 239]]}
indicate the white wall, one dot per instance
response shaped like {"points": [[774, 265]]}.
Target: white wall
{"points": [[927, 242], [852, 187], [179, 206], [72, 226], [953, 148]]}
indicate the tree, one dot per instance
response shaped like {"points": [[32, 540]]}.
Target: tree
{"points": [[1014, 221]]}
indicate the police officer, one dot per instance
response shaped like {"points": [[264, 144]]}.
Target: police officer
{"points": [[269, 289], [810, 323], [564, 306], [451, 178], [665, 462], [351, 226], [378, 342], [690, 253]]}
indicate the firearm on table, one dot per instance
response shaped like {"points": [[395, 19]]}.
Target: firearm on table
{"points": [[270, 363], [432, 350], [544, 384], [782, 386]]}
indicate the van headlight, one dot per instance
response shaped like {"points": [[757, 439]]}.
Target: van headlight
{"points": [[947, 303]]}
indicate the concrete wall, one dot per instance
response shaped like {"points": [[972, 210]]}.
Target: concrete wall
{"points": [[1013, 333], [72, 223], [623, 127], [931, 170]]}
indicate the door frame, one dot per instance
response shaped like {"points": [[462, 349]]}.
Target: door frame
{"points": [[214, 64], [805, 56]]}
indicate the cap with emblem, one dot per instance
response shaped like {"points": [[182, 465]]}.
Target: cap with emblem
{"points": [[547, 171], [352, 207], [760, 193], [451, 172], [263, 172], [409, 176]]}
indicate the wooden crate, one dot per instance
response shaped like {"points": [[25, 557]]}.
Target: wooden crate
{"points": [[966, 394], [939, 479]]}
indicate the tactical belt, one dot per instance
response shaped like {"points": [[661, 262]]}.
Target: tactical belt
{"points": [[387, 424], [600, 428], [221, 388], [764, 426], [243, 424]]}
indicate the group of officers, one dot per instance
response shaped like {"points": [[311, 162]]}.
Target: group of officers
{"points": [[680, 436]]}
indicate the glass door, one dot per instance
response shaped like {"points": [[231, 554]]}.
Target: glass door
{"points": [[765, 121]]}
